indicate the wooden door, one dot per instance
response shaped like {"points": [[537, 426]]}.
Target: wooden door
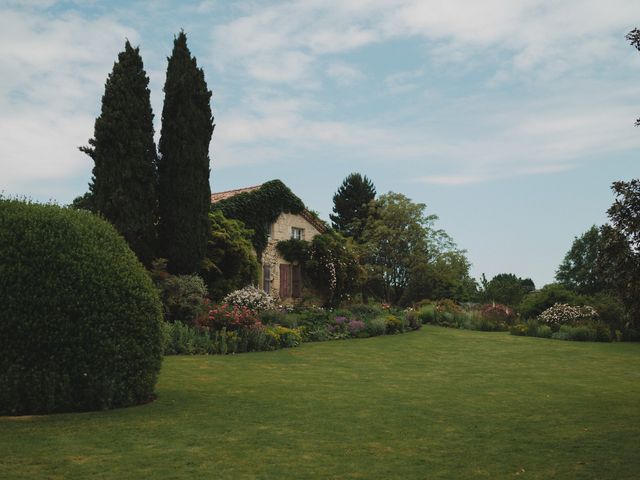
{"points": [[285, 280]]}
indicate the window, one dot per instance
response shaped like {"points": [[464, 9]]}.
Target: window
{"points": [[297, 233], [269, 231]]}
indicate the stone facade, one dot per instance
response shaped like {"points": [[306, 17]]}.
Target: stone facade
{"points": [[273, 263]]}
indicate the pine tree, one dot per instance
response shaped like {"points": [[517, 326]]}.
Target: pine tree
{"points": [[124, 184], [183, 166], [351, 205]]}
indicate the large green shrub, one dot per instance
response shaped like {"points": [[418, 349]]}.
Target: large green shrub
{"points": [[80, 323]]}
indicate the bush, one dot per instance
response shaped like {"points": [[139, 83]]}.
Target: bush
{"points": [[181, 339], [393, 324], [231, 318], [498, 313], [533, 304], [81, 323], [427, 314], [184, 297], [414, 322], [250, 297], [376, 326], [563, 314]]}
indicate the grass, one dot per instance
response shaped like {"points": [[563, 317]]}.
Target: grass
{"points": [[438, 403]]}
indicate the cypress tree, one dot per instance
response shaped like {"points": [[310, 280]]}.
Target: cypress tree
{"points": [[123, 187], [183, 166], [351, 205]]}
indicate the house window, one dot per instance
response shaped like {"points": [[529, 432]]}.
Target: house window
{"points": [[266, 278], [297, 233], [269, 231]]}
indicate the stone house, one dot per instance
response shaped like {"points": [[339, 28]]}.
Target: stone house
{"points": [[278, 277]]}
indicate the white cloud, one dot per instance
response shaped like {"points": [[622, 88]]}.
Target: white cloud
{"points": [[344, 74], [53, 74]]}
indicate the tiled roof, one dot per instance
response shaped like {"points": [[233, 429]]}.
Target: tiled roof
{"points": [[216, 197]]}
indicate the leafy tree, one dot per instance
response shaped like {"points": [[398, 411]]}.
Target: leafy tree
{"points": [[620, 255], [397, 237], [351, 205], [124, 183], [579, 271], [507, 289], [230, 262], [183, 166], [446, 275]]}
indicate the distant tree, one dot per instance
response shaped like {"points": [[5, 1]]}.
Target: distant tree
{"points": [[351, 205], [507, 289], [634, 38], [620, 255], [230, 263], [396, 239], [124, 183], [444, 275], [183, 166], [579, 271]]}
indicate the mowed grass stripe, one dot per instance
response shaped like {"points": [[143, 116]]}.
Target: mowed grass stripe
{"points": [[437, 403]]}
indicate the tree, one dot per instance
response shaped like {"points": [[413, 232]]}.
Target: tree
{"points": [[620, 255], [508, 289], [445, 275], [183, 166], [634, 38], [579, 271], [124, 184], [351, 205], [230, 263], [397, 237]]}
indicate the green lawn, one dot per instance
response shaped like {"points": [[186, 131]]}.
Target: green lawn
{"points": [[437, 403]]}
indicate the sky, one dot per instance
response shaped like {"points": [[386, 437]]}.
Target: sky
{"points": [[508, 119]]}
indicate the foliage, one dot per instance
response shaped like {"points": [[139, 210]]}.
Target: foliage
{"points": [[230, 262], [332, 267], [579, 271], [620, 255], [294, 250], [183, 166], [231, 317], [124, 184], [499, 313], [534, 303], [250, 297], [563, 314], [376, 326], [259, 208], [80, 324], [397, 237], [184, 297], [351, 205], [506, 288], [393, 324], [446, 275], [181, 339]]}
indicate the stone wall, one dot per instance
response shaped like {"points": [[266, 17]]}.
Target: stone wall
{"points": [[282, 231]]}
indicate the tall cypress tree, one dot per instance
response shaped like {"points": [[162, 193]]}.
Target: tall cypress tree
{"points": [[351, 205], [183, 166], [124, 183]]}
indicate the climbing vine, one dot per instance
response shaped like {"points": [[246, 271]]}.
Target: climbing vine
{"points": [[259, 208]]}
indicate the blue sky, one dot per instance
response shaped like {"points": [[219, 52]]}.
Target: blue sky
{"points": [[509, 120]]}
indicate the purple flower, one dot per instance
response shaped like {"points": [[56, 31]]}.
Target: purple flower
{"points": [[356, 326], [340, 320]]}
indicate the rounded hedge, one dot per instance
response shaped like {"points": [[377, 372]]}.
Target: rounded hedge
{"points": [[80, 320]]}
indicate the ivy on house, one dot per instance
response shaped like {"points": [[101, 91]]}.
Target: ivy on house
{"points": [[293, 250], [259, 208]]}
